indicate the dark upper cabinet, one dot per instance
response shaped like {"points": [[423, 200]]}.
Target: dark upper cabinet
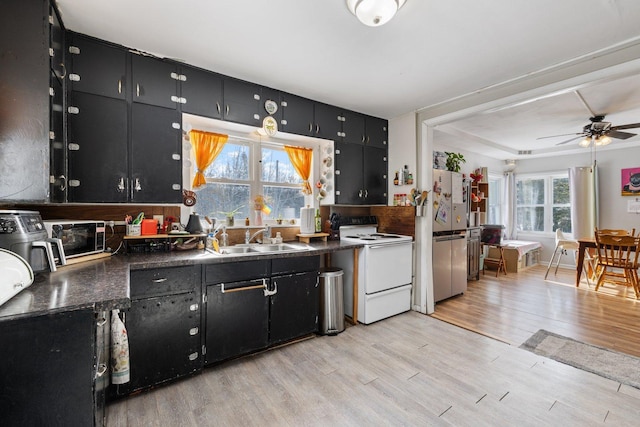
{"points": [[297, 114], [268, 98], [361, 174], [327, 121], [57, 148], [56, 50], [96, 67], [375, 175], [348, 172], [353, 128], [241, 102], [377, 132], [154, 82], [202, 92], [97, 148], [156, 166]]}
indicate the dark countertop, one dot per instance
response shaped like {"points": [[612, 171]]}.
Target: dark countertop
{"points": [[104, 284]]}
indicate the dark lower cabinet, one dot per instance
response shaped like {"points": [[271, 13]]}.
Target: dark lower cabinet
{"points": [[237, 319], [164, 339], [294, 306], [47, 370]]}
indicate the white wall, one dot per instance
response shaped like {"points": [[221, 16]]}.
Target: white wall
{"points": [[402, 151]]}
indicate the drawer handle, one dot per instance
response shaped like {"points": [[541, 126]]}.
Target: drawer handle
{"points": [[248, 288], [164, 279], [101, 322]]}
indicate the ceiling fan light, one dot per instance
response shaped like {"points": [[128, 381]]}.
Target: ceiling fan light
{"points": [[585, 143], [374, 12], [602, 140]]}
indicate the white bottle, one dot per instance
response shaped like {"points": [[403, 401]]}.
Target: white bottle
{"points": [[278, 238]]}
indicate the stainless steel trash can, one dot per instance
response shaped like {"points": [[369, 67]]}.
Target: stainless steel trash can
{"points": [[331, 301]]}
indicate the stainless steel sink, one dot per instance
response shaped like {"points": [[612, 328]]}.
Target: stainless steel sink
{"points": [[258, 249]]}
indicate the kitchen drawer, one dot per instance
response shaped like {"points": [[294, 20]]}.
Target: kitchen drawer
{"points": [[236, 271], [164, 281], [294, 265]]}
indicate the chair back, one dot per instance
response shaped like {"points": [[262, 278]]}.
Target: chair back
{"points": [[617, 251], [616, 232]]}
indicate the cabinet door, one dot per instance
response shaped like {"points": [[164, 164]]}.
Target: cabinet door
{"points": [[297, 114], [237, 319], [96, 67], [349, 178], [57, 44], [97, 148], [294, 307], [202, 92], [46, 366], [375, 176], [164, 339], [327, 121], [57, 151], [241, 102], [377, 132], [353, 128], [155, 82], [156, 166]]}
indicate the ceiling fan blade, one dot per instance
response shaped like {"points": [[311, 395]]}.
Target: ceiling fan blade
{"points": [[571, 139], [555, 136], [620, 135], [629, 126]]}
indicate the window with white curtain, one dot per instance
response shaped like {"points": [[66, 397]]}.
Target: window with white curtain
{"points": [[494, 208], [542, 202]]}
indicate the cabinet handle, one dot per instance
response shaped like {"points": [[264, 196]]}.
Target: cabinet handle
{"points": [[102, 368], [64, 70], [368, 139], [218, 107], [366, 193], [360, 194], [317, 129], [193, 331], [248, 288], [137, 89], [362, 140], [63, 184], [227, 113], [267, 292], [119, 85], [101, 321], [121, 186], [310, 127], [163, 279], [193, 356]]}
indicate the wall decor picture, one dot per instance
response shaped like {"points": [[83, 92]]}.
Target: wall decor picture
{"points": [[630, 181]]}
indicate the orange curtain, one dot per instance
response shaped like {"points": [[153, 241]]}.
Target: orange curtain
{"points": [[301, 159], [206, 147]]}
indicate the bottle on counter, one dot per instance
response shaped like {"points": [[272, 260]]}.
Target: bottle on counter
{"points": [[278, 238], [246, 221], [396, 179], [209, 241]]}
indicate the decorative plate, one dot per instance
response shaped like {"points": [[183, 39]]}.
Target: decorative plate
{"points": [[270, 106], [270, 125]]}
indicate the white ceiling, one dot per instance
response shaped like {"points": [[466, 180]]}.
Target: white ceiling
{"points": [[431, 52]]}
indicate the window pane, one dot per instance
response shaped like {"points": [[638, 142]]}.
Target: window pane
{"points": [[562, 219], [561, 191], [285, 202], [530, 192], [276, 167], [530, 219], [232, 163], [215, 198], [495, 197]]}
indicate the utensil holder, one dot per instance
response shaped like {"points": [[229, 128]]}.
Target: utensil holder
{"points": [[421, 210], [134, 229]]}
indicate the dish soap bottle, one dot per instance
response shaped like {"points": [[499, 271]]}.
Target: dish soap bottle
{"points": [[318, 221], [278, 238]]}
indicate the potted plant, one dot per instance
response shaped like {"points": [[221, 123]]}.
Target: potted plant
{"points": [[230, 216], [454, 160]]}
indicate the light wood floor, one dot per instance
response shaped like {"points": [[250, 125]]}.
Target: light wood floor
{"points": [[411, 369], [511, 308]]}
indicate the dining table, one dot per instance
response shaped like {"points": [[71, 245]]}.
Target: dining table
{"points": [[583, 245]]}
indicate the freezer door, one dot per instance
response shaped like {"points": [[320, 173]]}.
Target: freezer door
{"points": [[441, 268], [459, 265]]}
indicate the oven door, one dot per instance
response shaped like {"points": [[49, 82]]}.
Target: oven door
{"points": [[386, 266]]}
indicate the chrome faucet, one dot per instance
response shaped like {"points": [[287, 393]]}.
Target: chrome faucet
{"points": [[266, 235]]}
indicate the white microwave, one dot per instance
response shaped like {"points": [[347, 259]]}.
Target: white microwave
{"points": [[79, 237]]}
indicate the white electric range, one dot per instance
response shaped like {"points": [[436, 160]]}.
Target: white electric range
{"points": [[385, 269]]}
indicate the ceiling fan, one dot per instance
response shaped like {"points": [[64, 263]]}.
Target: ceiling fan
{"points": [[598, 131]]}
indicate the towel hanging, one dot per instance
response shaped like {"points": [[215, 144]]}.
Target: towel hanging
{"points": [[119, 350]]}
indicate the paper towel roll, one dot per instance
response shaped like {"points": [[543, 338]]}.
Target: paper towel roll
{"points": [[307, 221]]}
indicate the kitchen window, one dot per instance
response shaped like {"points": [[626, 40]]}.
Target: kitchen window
{"points": [[494, 209], [245, 169], [542, 203]]}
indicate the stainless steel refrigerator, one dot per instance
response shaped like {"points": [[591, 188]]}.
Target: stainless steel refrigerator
{"points": [[449, 235]]}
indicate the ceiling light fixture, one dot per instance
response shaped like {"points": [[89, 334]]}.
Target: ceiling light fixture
{"points": [[585, 143], [602, 140], [374, 12]]}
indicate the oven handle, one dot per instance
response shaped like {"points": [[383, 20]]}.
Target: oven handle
{"points": [[386, 245]]}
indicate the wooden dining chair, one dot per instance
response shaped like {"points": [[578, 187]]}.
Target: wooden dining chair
{"points": [[615, 232], [617, 253]]}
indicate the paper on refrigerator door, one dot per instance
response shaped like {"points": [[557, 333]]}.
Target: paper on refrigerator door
{"points": [[456, 189]]}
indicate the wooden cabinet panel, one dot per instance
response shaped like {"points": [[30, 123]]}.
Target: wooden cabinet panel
{"points": [[156, 155], [96, 67]]}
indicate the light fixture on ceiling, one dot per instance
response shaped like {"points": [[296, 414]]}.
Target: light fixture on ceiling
{"points": [[374, 12], [598, 141], [602, 140], [586, 142]]}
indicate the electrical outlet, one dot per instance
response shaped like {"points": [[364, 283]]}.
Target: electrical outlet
{"points": [[110, 223]]}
